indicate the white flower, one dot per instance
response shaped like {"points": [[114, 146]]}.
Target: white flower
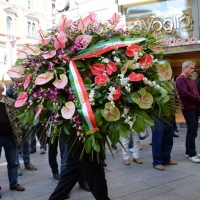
{"points": [[137, 65], [124, 81], [116, 59], [113, 52], [156, 60], [136, 57], [112, 92], [157, 87], [140, 54], [126, 111], [91, 95], [105, 60]]}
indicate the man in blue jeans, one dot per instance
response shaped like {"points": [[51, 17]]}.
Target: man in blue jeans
{"points": [[9, 129], [162, 143]]}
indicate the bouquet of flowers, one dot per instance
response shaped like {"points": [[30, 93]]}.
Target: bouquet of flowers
{"points": [[92, 79]]}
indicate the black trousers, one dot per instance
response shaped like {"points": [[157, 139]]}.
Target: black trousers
{"points": [[191, 119], [92, 171]]}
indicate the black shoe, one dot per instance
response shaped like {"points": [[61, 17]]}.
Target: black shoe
{"points": [[175, 130], [175, 135], [85, 187], [103, 164], [67, 197], [150, 143], [56, 176], [32, 150]]}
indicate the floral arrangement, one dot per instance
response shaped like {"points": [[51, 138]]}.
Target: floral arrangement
{"points": [[92, 79]]}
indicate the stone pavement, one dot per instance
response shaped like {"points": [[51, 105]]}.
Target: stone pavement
{"points": [[134, 182]]}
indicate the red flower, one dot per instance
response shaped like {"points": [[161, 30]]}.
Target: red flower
{"points": [[136, 77], [131, 50], [101, 79], [146, 61], [117, 94], [111, 67], [97, 69]]}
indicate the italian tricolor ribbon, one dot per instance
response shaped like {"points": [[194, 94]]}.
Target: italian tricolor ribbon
{"points": [[85, 109]]}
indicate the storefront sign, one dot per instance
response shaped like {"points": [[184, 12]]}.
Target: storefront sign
{"points": [[183, 23], [179, 41]]}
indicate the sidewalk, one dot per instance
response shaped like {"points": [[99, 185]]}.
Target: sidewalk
{"points": [[134, 182]]}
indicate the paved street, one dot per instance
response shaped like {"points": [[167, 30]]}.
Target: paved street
{"points": [[134, 182]]}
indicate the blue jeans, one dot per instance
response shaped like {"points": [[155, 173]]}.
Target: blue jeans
{"points": [[191, 119], [33, 142], [11, 154], [162, 142], [53, 151], [130, 144]]}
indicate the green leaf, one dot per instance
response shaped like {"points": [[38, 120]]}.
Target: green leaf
{"points": [[98, 117], [145, 117], [96, 145], [165, 109], [67, 128], [36, 121], [87, 81], [167, 86], [24, 119], [139, 125], [166, 99], [19, 60], [30, 117], [88, 144], [113, 133], [80, 65], [124, 129], [98, 135]]}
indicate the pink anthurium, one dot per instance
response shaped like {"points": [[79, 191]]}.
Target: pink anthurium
{"points": [[84, 39], [111, 67], [146, 61], [40, 107], [117, 94], [60, 40], [27, 81], [97, 69], [115, 19], [28, 50], [49, 55], [68, 110], [60, 84], [15, 72], [136, 77], [64, 21], [91, 19], [101, 79], [43, 78], [44, 41], [131, 50], [21, 99], [41, 33]]}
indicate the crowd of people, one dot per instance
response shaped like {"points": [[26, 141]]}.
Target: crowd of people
{"points": [[90, 174]]}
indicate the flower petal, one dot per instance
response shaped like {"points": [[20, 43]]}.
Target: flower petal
{"points": [[68, 110], [155, 48], [43, 78], [136, 77], [131, 50], [97, 69], [40, 107], [60, 84], [110, 113], [21, 99], [101, 79], [15, 72], [115, 19], [117, 94], [84, 39], [49, 55], [146, 61], [164, 71], [44, 41], [111, 67], [27, 81], [59, 42]]}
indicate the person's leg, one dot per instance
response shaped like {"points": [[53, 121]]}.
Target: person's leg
{"points": [[191, 119], [136, 145], [26, 149], [167, 142], [157, 136], [33, 142], [63, 151], [125, 153], [67, 181], [130, 144], [11, 154], [53, 151]]}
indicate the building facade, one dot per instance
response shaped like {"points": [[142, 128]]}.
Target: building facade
{"points": [[20, 20]]}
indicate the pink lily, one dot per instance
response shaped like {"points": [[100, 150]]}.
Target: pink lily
{"points": [[68, 110], [49, 55], [21, 99], [59, 42], [40, 107], [84, 39], [91, 19], [27, 81], [60, 84], [15, 72], [43, 78]]}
